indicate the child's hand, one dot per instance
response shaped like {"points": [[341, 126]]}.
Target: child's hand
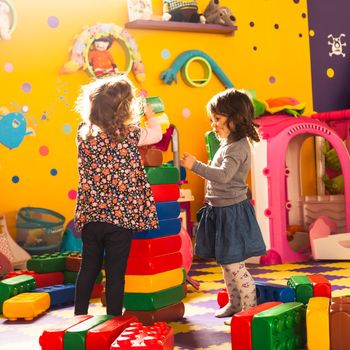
{"points": [[148, 111], [188, 160]]}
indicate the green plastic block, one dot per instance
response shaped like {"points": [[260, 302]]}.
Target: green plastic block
{"points": [[71, 277], [212, 144], [156, 103], [303, 288], [281, 327], [48, 262], [74, 338], [154, 301], [164, 174], [10, 287]]}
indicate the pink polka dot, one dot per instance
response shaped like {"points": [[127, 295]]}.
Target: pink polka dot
{"points": [[72, 194], [44, 151], [186, 112]]}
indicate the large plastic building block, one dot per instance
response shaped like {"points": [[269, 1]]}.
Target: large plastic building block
{"points": [[165, 193], [282, 327], [154, 283], [41, 279], [52, 339], [154, 301], [164, 174], [167, 227], [339, 319], [26, 305], [151, 156], [154, 264], [60, 294], [168, 210], [97, 290], [169, 313], [274, 292], [321, 286], [71, 277], [156, 103], [47, 262], [241, 325], [155, 246], [303, 288], [15, 285], [73, 262], [317, 324], [160, 336], [102, 336], [74, 337]]}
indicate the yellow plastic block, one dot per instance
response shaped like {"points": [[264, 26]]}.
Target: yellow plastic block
{"points": [[26, 305], [317, 324], [163, 118], [153, 283]]}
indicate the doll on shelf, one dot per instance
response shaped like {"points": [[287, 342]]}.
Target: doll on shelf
{"points": [[182, 11], [100, 58]]}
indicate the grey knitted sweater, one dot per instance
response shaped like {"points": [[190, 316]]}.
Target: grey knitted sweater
{"points": [[226, 174]]}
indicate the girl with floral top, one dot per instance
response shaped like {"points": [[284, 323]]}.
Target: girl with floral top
{"points": [[114, 196]]}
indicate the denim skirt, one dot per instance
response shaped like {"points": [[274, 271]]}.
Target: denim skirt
{"points": [[229, 234]]}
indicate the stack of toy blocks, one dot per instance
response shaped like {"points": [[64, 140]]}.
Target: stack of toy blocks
{"points": [[86, 332]]}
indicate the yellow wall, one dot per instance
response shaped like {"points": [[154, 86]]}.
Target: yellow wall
{"points": [[37, 53]]}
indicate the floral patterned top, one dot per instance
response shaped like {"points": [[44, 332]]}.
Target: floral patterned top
{"points": [[113, 184]]}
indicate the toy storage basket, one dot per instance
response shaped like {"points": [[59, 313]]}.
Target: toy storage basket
{"points": [[39, 230]]}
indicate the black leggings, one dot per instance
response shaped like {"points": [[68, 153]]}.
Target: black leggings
{"points": [[111, 242]]}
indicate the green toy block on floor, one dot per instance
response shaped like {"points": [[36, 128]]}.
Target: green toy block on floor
{"points": [[71, 277], [74, 338], [164, 174], [303, 288], [281, 327], [47, 262]]}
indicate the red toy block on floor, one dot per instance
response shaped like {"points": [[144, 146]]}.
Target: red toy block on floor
{"points": [[322, 287], [222, 298], [97, 291], [52, 339], [102, 336], [241, 325], [166, 193], [160, 336]]}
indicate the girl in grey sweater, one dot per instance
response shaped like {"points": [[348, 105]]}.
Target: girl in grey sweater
{"points": [[228, 230]]}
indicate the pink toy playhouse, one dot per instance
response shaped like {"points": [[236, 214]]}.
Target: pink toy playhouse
{"points": [[276, 183]]}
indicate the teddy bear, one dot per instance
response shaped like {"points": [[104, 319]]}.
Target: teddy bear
{"points": [[181, 11], [5, 21], [100, 58], [216, 14]]}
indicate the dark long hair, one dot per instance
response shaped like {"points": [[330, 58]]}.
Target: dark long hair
{"points": [[239, 110], [108, 104]]}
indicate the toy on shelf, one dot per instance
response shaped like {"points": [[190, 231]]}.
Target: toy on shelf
{"points": [[216, 14], [39, 230], [81, 48], [181, 11]]}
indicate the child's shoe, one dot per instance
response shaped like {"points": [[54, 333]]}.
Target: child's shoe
{"points": [[227, 311]]}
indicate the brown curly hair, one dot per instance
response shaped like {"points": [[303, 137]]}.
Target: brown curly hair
{"points": [[108, 104], [239, 110]]}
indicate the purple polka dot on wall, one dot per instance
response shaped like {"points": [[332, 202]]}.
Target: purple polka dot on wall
{"points": [[26, 88], [255, 48], [296, 1], [72, 194], [53, 22], [303, 15], [252, 24], [276, 26], [272, 79], [8, 67]]}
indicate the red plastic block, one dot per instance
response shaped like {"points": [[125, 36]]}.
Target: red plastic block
{"points": [[73, 262], [52, 339], [222, 297], [97, 291], [169, 313], [154, 264], [157, 337], [155, 246], [166, 193], [102, 336], [322, 287], [241, 326], [41, 279]]}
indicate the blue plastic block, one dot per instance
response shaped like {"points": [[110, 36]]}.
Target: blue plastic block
{"points": [[59, 294], [274, 292], [168, 210], [168, 227]]}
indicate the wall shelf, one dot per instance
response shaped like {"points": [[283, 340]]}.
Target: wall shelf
{"points": [[180, 26]]}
